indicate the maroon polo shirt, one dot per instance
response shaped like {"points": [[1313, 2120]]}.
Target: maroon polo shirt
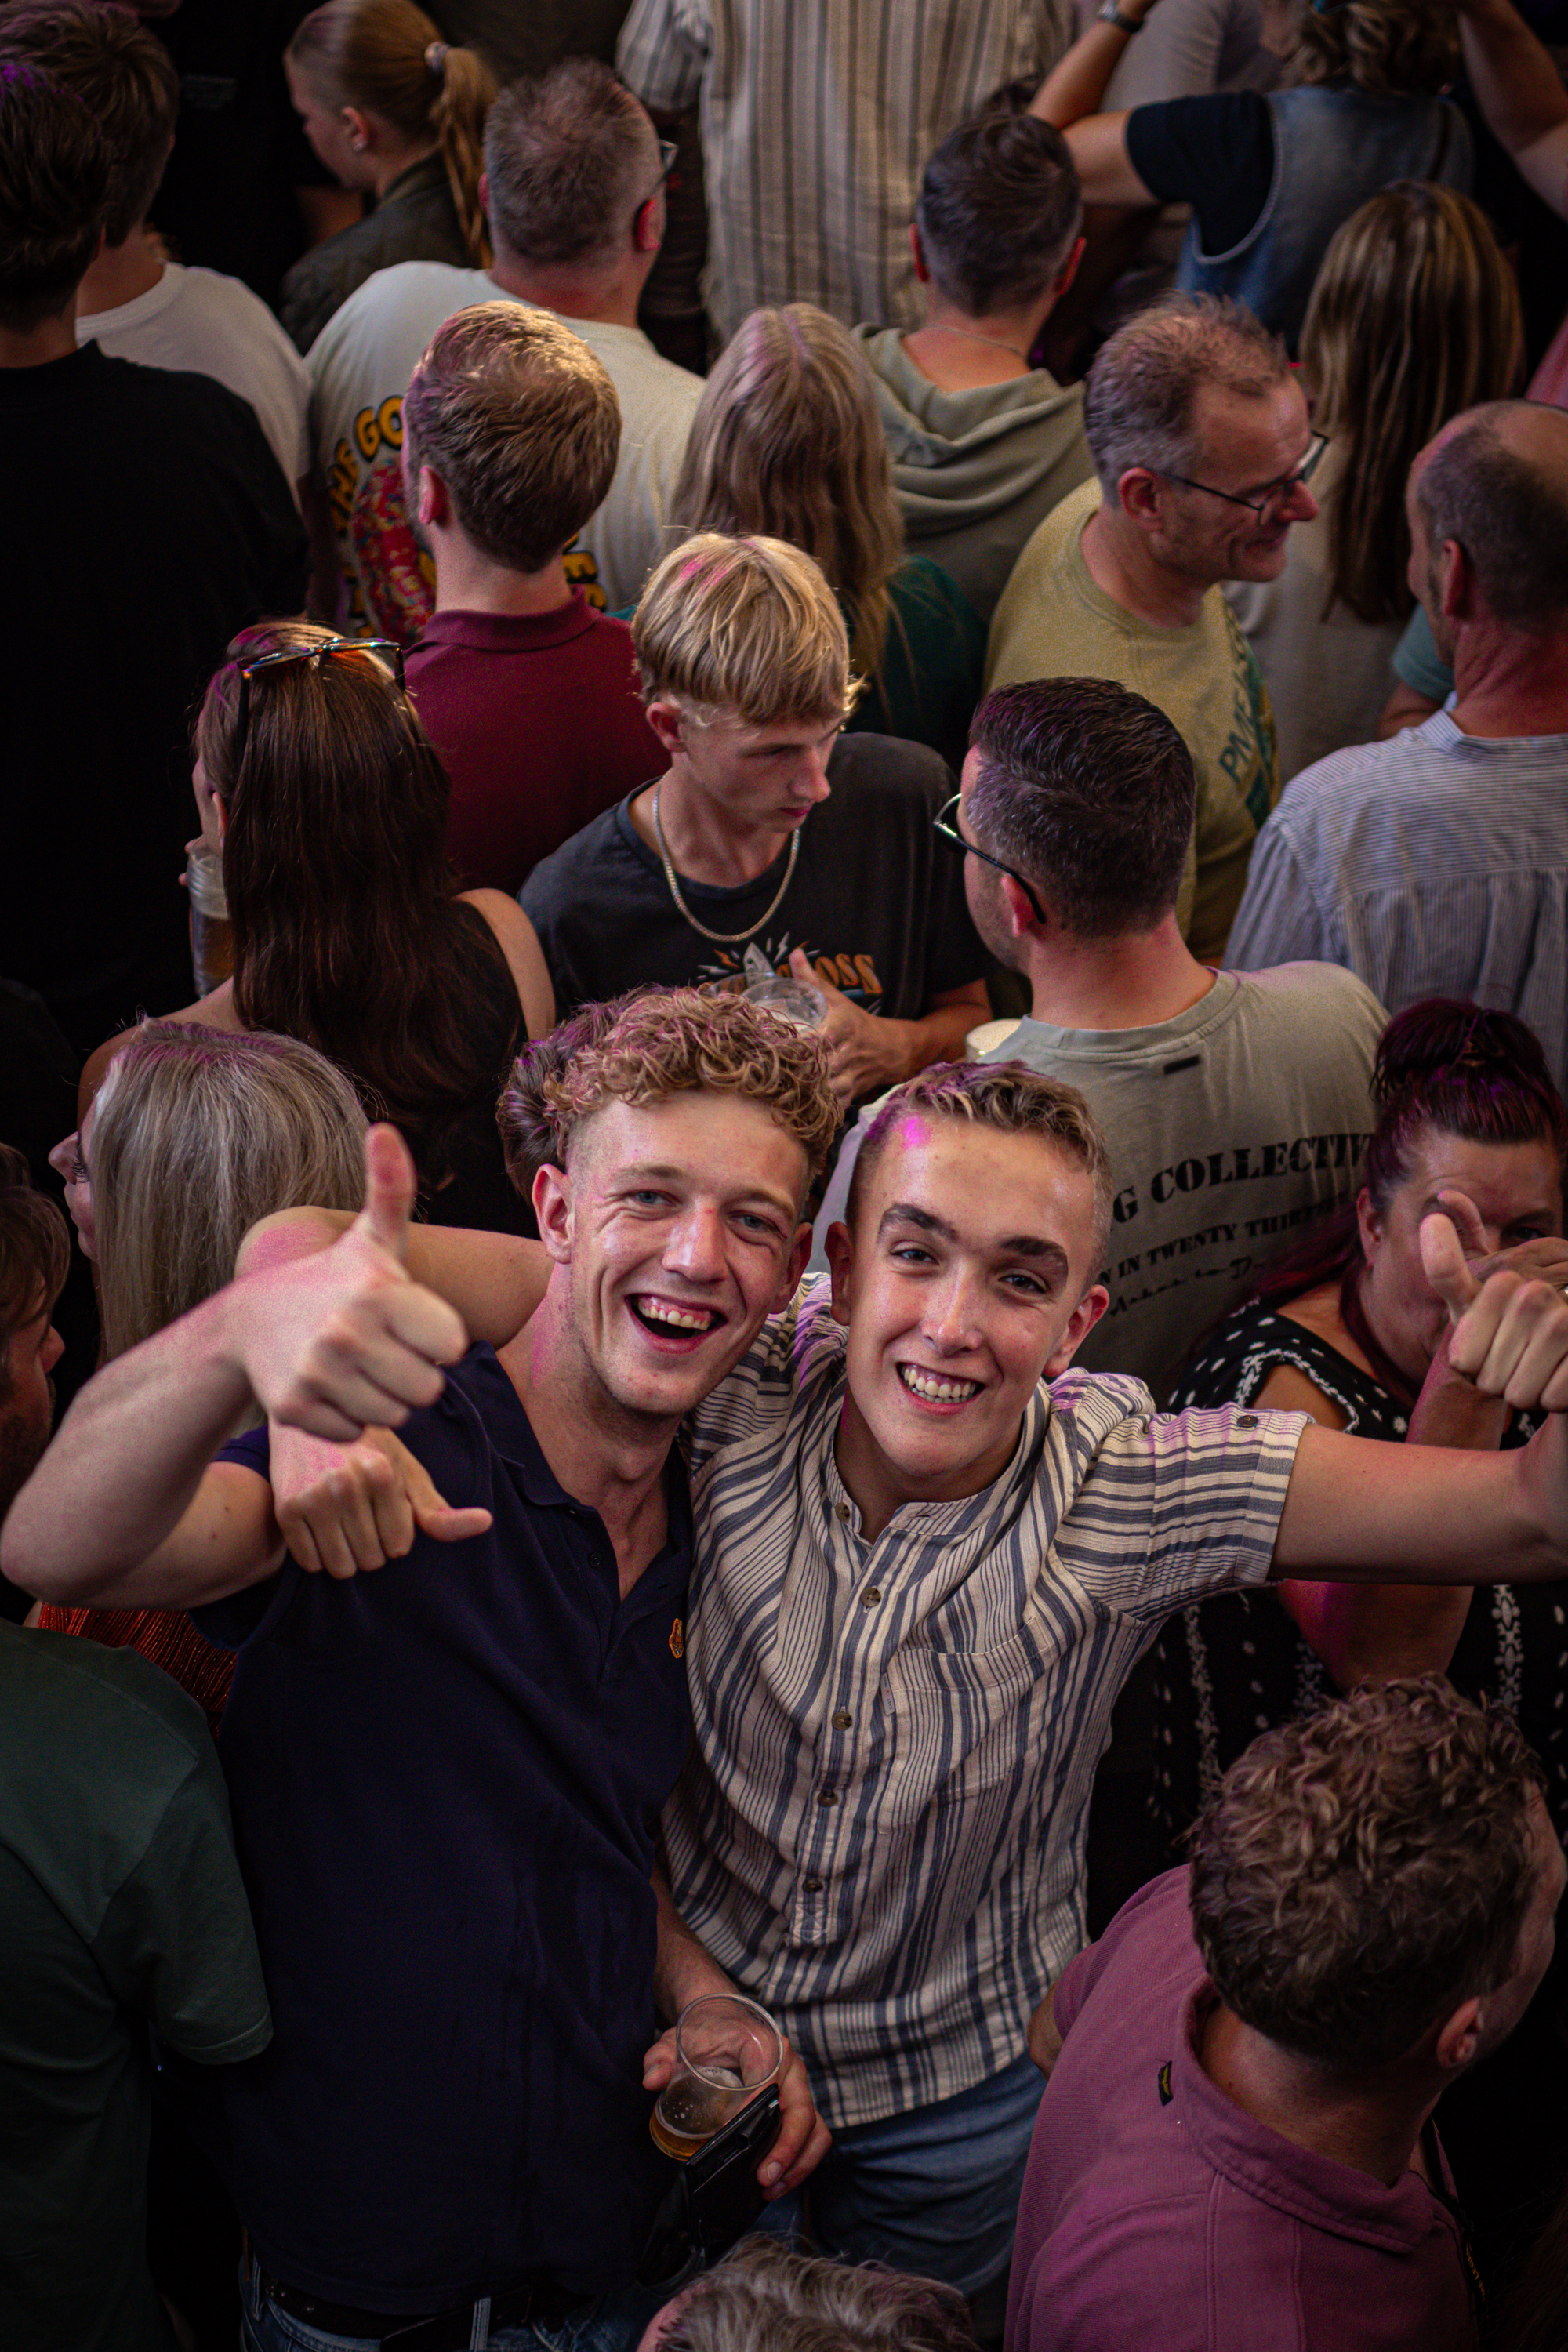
{"points": [[539, 725]]}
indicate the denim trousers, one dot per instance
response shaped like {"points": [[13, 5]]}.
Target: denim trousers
{"points": [[934, 2191], [614, 2322]]}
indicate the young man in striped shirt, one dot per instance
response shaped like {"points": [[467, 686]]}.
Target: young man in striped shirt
{"points": [[921, 1576]]}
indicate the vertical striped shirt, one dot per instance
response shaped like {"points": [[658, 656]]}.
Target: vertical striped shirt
{"points": [[1434, 865], [817, 121], [879, 1831]]}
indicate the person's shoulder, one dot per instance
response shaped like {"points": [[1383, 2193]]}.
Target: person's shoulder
{"points": [[1295, 995], [1051, 543], [210, 299], [394, 310], [633, 360], [888, 768], [794, 1355], [595, 869], [99, 1702]]}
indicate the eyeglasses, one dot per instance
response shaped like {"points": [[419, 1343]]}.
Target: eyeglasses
{"points": [[338, 648], [1280, 489], [667, 151], [950, 833]]}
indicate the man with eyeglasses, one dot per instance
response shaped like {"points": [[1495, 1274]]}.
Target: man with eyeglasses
{"points": [[574, 196], [1235, 1106], [1200, 440]]}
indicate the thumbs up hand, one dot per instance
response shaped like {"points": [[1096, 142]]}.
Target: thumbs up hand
{"points": [[1508, 1333], [340, 1342]]}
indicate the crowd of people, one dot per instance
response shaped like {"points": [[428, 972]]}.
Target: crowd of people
{"points": [[819, 1254]]}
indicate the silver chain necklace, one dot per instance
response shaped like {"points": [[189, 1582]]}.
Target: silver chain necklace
{"points": [[724, 938]]}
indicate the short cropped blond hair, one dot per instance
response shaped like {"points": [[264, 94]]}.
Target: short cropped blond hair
{"points": [[649, 1047], [748, 627], [1014, 1099], [520, 421]]}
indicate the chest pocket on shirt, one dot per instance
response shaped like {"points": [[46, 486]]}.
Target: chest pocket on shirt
{"points": [[952, 1713]]}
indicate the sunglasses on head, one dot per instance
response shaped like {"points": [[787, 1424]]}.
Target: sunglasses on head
{"points": [[334, 649]]}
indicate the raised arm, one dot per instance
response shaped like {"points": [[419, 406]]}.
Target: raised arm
{"points": [[493, 1280], [126, 1506], [1520, 94], [1070, 96], [1397, 1514]]}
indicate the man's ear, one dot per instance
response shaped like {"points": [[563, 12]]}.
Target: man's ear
{"points": [[1021, 916], [485, 195], [649, 223], [668, 720], [552, 1198], [794, 1267], [1143, 496], [1081, 1323], [1458, 2039], [1456, 583], [840, 1247], [918, 254], [432, 499]]}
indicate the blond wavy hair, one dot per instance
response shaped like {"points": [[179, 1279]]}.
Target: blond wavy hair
{"points": [[1415, 316], [788, 441], [743, 627], [648, 1048], [766, 2293], [386, 57], [1359, 1874], [1390, 48], [1011, 1099]]}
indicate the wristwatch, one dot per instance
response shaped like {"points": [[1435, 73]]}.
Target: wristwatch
{"points": [[1111, 15]]}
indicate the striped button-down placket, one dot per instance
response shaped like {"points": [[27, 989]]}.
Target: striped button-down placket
{"points": [[880, 1827]]}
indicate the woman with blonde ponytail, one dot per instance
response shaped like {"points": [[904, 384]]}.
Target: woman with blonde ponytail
{"points": [[393, 109]]}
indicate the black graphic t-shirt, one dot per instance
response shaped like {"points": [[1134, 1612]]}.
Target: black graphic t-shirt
{"points": [[877, 900]]}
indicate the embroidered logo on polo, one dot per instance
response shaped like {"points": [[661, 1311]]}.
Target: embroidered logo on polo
{"points": [[1166, 2094], [678, 1640]]}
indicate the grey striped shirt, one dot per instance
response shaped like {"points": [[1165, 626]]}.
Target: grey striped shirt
{"points": [[818, 118], [880, 1828], [1434, 865]]}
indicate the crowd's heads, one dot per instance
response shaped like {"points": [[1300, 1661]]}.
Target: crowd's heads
{"points": [[1364, 1872], [56, 184], [1388, 47], [650, 1048], [1495, 483], [1007, 1096], [746, 628], [787, 443], [1088, 792], [572, 163], [35, 1257], [1415, 317], [385, 59], [999, 213], [1141, 398], [766, 2293], [521, 422], [125, 77], [196, 1133]]}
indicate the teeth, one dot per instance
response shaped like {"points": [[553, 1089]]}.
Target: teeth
{"points": [[935, 1390], [676, 1318]]}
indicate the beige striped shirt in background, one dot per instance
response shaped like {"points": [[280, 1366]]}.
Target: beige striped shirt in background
{"points": [[880, 1829], [817, 119]]}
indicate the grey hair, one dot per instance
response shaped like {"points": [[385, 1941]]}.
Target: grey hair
{"points": [[765, 2293], [196, 1133], [1142, 392], [567, 157], [1508, 511]]}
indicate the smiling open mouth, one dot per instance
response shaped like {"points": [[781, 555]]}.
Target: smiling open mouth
{"points": [[670, 1319], [937, 1388]]}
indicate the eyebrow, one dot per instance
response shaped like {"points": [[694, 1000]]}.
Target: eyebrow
{"points": [[1030, 1245]]}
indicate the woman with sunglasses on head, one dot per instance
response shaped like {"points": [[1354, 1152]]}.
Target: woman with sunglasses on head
{"points": [[393, 110], [325, 797]]}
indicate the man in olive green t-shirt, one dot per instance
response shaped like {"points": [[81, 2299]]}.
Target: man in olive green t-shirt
{"points": [[1200, 440]]}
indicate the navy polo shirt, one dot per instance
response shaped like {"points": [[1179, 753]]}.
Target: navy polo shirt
{"points": [[446, 1780]]}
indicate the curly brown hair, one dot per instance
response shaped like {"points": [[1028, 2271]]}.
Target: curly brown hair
{"points": [[645, 1047], [1391, 48], [1360, 1872]]}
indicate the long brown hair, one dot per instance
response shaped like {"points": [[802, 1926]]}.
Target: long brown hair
{"points": [[386, 57], [1390, 48], [347, 928], [1415, 317], [787, 444]]}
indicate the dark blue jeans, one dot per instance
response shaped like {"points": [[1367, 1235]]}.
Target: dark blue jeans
{"points": [[613, 2324]]}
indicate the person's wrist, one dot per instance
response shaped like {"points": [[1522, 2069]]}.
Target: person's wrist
{"points": [[1128, 19]]}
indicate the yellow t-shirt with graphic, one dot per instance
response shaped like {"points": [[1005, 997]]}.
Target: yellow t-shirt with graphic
{"points": [[1054, 621]]}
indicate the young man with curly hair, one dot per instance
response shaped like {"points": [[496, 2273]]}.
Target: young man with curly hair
{"points": [[445, 1779]]}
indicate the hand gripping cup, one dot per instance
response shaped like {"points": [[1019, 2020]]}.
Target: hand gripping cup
{"points": [[726, 2050]]}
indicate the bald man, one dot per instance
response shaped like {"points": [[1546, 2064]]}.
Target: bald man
{"points": [[1437, 864]]}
